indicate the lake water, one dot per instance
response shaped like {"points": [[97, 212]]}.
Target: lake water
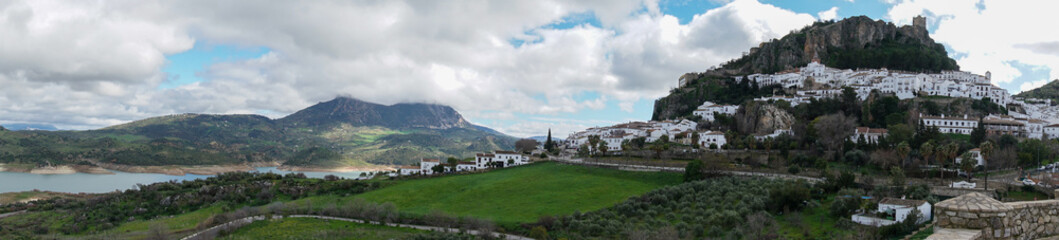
{"points": [[99, 183]]}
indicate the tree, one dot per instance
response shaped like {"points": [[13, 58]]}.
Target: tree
{"points": [[440, 168], [548, 143], [453, 162], [899, 133], [902, 151], [978, 134], [538, 232], [966, 164], [693, 171], [695, 140], [986, 148], [525, 145], [602, 147], [926, 151], [833, 130], [948, 152], [664, 139]]}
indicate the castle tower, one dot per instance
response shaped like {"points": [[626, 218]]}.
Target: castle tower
{"points": [[919, 21], [988, 76]]}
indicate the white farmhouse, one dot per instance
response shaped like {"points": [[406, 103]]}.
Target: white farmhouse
{"points": [[466, 166], [426, 165], [895, 210], [706, 139], [870, 135], [408, 170], [500, 159]]}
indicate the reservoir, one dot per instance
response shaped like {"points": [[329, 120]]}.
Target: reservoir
{"points": [[100, 183]]}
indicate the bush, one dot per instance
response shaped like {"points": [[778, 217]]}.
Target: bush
{"points": [[793, 170]]}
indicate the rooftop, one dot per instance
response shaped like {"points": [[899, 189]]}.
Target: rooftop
{"points": [[902, 202]]}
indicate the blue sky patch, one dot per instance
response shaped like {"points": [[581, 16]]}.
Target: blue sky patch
{"points": [[183, 68]]}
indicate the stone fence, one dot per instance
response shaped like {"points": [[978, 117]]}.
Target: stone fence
{"points": [[998, 220]]}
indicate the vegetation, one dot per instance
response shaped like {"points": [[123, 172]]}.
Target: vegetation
{"points": [[225, 191], [311, 228], [714, 208], [520, 194]]}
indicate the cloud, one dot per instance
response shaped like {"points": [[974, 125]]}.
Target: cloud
{"points": [[829, 14], [1030, 85], [989, 35], [93, 64]]}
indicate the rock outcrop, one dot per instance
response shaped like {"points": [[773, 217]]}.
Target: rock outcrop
{"points": [[360, 113]]}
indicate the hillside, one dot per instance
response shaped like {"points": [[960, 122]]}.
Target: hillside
{"points": [[856, 42], [343, 132], [344, 110], [1048, 91], [521, 194]]}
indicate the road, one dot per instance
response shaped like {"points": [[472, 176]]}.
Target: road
{"points": [[235, 224]]}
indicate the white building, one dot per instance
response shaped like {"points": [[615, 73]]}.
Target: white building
{"points": [[870, 135], [706, 139], [976, 154], [899, 209], [775, 133], [950, 124], [426, 165], [708, 110], [408, 170], [466, 166], [1051, 131], [500, 159]]}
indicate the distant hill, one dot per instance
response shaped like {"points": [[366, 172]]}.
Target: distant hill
{"points": [[339, 133], [29, 126], [856, 42], [344, 110], [1048, 91]]}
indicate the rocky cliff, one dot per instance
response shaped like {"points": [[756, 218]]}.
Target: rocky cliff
{"points": [[856, 42]]}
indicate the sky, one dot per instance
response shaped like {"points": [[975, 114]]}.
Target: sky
{"points": [[520, 67]]}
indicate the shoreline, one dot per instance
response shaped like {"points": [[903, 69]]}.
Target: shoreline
{"points": [[175, 170]]}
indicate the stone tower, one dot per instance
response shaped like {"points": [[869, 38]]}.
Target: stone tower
{"points": [[919, 22]]}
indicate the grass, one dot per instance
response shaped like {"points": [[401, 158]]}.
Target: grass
{"points": [[176, 224], [810, 223], [311, 228], [922, 234], [517, 195], [13, 197], [1026, 196]]}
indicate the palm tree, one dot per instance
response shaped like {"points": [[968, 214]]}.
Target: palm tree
{"points": [[986, 148], [926, 151], [950, 152], [966, 164], [902, 152]]}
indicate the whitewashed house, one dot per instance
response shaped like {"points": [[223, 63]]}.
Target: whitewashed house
{"points": [[870, 135], [976, 154], [1051, 131], [775, 134], [895, 210], [426, 165], [408, 170], [712, 138], [708, 110], [466, 166]]}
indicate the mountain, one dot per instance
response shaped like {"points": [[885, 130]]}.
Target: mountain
{"points": [[344, 110], [856, 42], [342, 132], [29, 126], [1048, 91]]}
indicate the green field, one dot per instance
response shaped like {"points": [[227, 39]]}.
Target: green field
{"points": [[311, 228], [521, 194]]}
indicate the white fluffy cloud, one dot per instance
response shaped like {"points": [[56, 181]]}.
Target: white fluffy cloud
{"points": [[829, 14], [991, 35], [87, 64]]}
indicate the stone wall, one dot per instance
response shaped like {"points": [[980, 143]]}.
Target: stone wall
{"points": [[998, 220]]}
